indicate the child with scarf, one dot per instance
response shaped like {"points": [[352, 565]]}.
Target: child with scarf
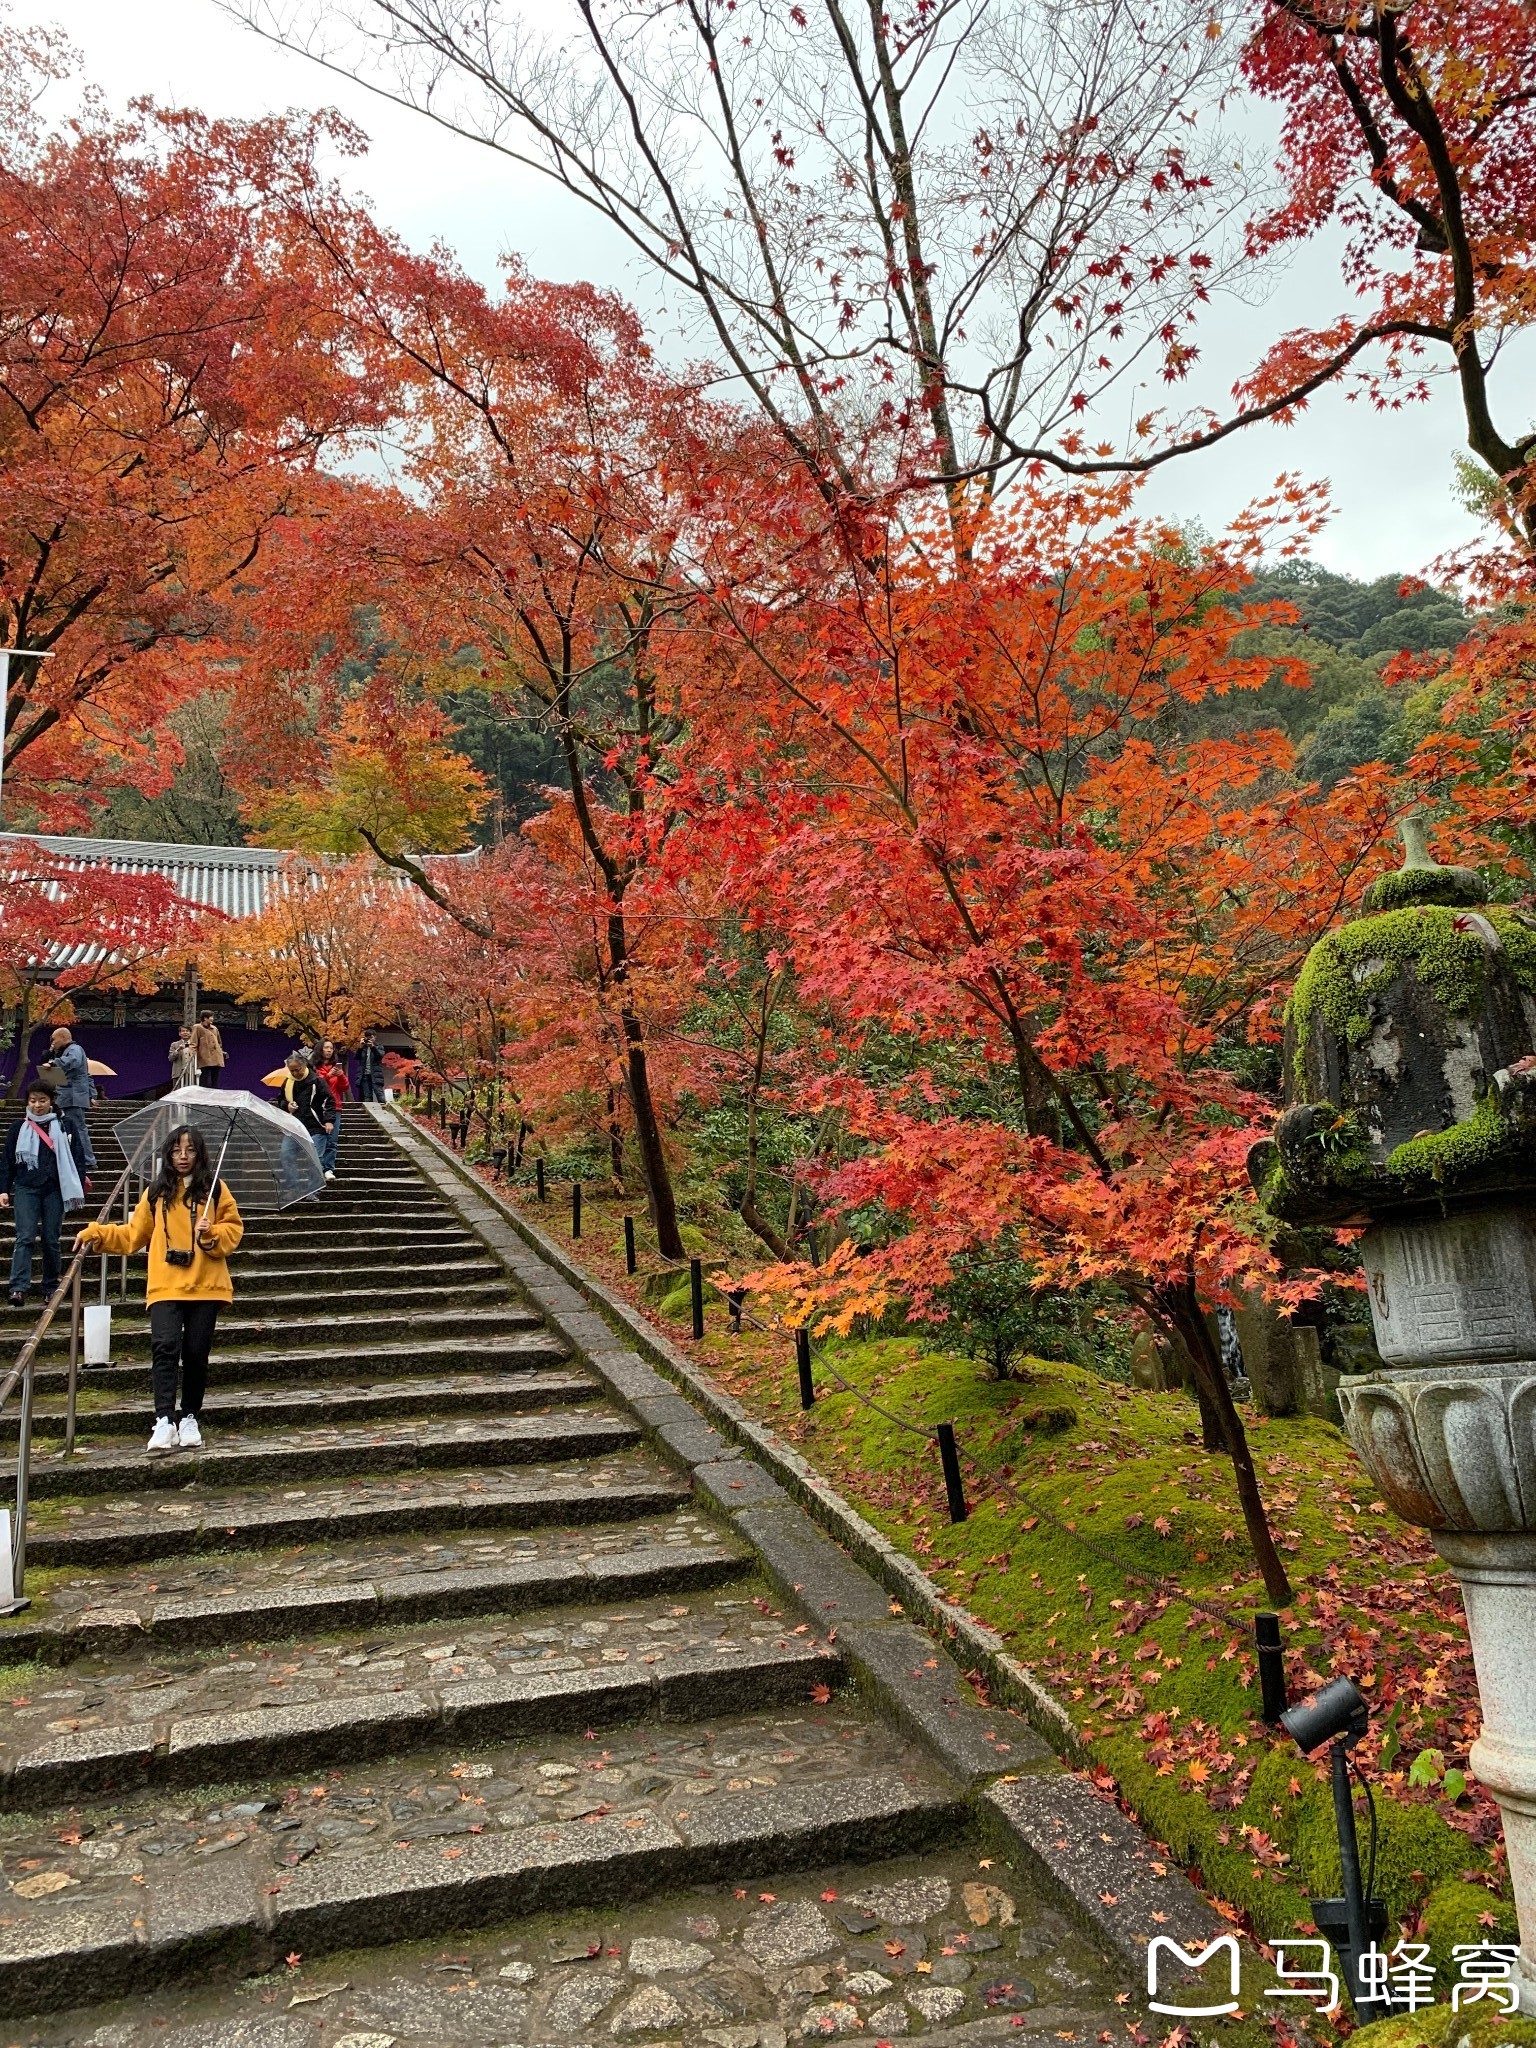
{"points": [[39, 1180]]}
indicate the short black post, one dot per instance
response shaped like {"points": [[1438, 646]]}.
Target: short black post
{"points": [[696, 1294], [1266, 1637], [538, 1179], [575, 1208], [736, 1300], [803, 1362], [629, 1244], [949, 1458]]}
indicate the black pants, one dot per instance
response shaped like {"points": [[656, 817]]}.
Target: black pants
{"points": [[210, 1077], [370, 1089], [180, 1335]]}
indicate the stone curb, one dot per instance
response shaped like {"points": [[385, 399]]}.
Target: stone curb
{"points": [[1114, 1882], [204, 1749], [904, 1580]]}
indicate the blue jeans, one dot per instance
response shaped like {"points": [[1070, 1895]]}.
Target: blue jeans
{"points": [[370, 1088], [39, 1212], [325, 1145]]}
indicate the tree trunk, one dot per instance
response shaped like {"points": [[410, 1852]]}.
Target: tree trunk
{"points": [[762, 1228], [615, 1144], [659, 1198], [26, 1030], [1179, 1308]]}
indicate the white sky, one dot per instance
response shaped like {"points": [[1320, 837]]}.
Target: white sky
{"points": [[1390, 478]]}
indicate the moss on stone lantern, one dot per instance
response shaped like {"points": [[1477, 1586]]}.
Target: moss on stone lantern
{"points": [[1410, 1055]]}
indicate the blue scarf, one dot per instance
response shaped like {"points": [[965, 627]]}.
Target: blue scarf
{"points": [[29, 1144]]}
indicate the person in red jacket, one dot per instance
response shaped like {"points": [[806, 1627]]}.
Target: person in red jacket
{"points": [[331, 1067]]}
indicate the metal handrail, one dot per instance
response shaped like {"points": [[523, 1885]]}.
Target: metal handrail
{"points": [[23, 1372]]}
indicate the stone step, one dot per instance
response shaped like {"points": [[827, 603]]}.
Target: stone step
{"points": [[267, 1273], [427, 1239], [140, 1528], [255, 1609], [239, 1330], [793, 1955], [262, 1457], [409, 1849], [312, 1299], [284, 1407], [254, 1718], [531, 1351]]}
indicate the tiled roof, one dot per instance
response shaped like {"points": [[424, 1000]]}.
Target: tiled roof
{"points": [[237, 880], [233, 879]]}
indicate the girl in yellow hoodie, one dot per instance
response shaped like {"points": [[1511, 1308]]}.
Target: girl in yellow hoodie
{"points": [[191, 1225]]}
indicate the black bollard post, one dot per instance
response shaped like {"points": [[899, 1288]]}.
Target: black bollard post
{"points": [[803, 1362], [1266, 1637], [737, 1301], [538, 1180], [575, 1208], [629, 1244], [696, 1294], [949, 1458]]}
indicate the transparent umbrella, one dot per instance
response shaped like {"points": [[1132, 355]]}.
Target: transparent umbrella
{"points": [[265, 1157]]}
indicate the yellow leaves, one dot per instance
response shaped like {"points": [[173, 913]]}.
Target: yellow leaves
{"points": [[393, 781]]}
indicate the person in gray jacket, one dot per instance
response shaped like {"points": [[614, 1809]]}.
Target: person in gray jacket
{"points": [[183, 1058], [72, 1097]]}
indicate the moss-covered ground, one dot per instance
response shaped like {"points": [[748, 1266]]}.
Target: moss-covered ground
{"points": [[1164, 1697]]}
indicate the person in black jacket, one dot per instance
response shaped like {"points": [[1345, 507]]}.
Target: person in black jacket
{"points": [[40, 1180], [307, 1099], [370, 1069]]}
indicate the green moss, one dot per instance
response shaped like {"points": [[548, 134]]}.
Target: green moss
{"points": [[1128, 1462], [1460, 1150], [1348, 967], [1414, 1847], [1433, 2028], [1459, 886], [1455, 1913]]}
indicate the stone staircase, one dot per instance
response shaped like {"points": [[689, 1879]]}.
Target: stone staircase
{"points": [[440, 1638]]}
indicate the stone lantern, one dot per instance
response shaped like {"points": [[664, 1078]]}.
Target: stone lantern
{"points": [[1410, 1091]]}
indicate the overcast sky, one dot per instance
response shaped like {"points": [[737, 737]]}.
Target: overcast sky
{"points": [[1391, 479]]}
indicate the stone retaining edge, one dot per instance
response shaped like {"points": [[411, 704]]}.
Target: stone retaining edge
{"points": [[1007, 1676], [1116, 1876]]}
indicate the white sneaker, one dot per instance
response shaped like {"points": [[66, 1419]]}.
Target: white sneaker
{"points": [[329, 1175], [163, 1436], [189, 1436]]}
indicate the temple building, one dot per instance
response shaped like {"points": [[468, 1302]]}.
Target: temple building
{"points": [[132, 1033]]}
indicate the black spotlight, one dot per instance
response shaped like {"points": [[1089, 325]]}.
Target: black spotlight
{"points": [[1340, 1715]]}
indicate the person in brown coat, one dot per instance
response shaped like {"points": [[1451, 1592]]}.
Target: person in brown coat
{"points": [[209, 1048]]}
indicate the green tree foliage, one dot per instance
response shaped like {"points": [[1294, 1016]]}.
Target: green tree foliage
{"points": [[1348, 631]]}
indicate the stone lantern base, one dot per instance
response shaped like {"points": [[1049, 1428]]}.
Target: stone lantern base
{"points": [[1448, 1432], [1498, 1588]]}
